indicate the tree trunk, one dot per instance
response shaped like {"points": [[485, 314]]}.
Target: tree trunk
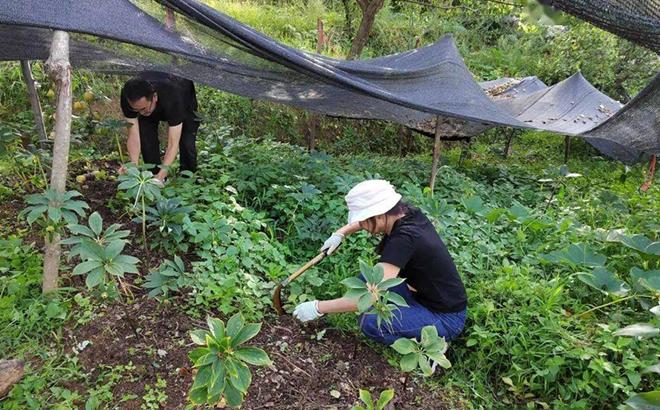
{"points": [[436, 155], [313, 130], [567, 148], [60, 70], [34, 102], [11, 371], [369, 10]]}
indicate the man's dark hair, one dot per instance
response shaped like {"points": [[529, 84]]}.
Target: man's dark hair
{"points": [[136, 88]]}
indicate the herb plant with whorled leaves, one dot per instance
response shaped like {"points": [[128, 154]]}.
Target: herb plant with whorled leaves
{"points": [[424, 354], [385, 397], [53, 210], [169, 277], [372, 294], [221, 361]]}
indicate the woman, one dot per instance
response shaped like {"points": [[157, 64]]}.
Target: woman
{"points": [[410, 248]]}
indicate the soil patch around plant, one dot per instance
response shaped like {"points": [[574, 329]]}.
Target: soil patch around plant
{"points": [[314, 367]]}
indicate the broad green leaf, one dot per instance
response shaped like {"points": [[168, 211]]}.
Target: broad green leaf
{"points": [[641, 243], [409, 362], [196, 353], [645, 401], [425, 365], [365, 302], [605, 281], [81, 230], [353, 283], [440, 359], [217, 385], [582, 254], [646, 279], [234, 325], [365, 396], [35, 213], [378, 274], [199, 337], [233, 396], [404, 345], [396, 299], [96, 223], [207, 359], [385, 397], [114, 249], [216, 327], [473, 204], [355, 293], [429, 335], [253, 355], [249, 331], [85, 267], [389, 283], [94, 278], [639, 330], [242, 378], [203, 377], [198, 396], [54, 214]]}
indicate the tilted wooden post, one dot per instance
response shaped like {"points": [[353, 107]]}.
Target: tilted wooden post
{"points": [[567, 148], [34, 102], [436, 154], [60, 70], [509, 143]]}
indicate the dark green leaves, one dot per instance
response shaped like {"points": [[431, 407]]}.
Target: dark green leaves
{"points": [[605, 281], [223, 370], [580, 254], [425, 354]]}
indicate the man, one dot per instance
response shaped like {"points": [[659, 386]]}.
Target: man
{"points": [[152, 97]]}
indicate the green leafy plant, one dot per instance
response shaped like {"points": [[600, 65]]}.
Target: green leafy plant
{"points": [[221, 361], [385, 397], [425, 354], [143, 188], [53, 210], [84, 237], [167, 220], [169, 277], [100, 252], [372, 294]]}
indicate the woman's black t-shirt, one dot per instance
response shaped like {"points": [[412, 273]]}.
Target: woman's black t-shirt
{"points": [[416, 248]]}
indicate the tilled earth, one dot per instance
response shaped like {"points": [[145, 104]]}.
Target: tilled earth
{"points": [[148, 340]]}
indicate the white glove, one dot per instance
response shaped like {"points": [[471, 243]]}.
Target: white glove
{"points": [[307, 311], [157, 182], [332, 242]]}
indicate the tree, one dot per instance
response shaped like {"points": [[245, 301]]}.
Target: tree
{"points": [[369, 10]]}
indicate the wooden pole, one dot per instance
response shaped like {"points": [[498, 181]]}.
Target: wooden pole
{"points": [[567, 148], [436, 154], [60, 70], [34, 102], [509, 143]]}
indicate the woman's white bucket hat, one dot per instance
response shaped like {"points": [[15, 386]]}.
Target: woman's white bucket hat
{"points": [[370, 198]]}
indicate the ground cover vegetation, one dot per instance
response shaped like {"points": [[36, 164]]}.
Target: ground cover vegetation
{"points": [[561, 263]]}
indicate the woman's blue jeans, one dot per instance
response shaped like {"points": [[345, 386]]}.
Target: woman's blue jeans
{"points": [[409, 321]]}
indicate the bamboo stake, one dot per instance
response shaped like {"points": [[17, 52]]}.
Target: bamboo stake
{"points": [[60, 70], [34, 102]]}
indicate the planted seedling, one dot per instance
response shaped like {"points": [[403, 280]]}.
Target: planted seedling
{"points": [[142, 187], [425, 354], [100, 252], [53, 210], [168, 278], [385, 397], [373, 295], [221, 361]]}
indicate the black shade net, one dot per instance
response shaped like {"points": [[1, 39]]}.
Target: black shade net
{"points": [[420, 88]]}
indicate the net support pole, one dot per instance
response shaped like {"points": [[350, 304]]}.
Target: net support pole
{"points": [[509, 144], [59, 68], [34, 102], [436, 154], [567, 148]]}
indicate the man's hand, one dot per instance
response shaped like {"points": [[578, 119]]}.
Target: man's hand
{"points": [[161, 175], [307, 311], [332, 243], [122, 170]]}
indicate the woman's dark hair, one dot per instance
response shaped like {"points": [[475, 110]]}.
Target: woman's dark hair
{"points": [[401, 207], [136, 88]]}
